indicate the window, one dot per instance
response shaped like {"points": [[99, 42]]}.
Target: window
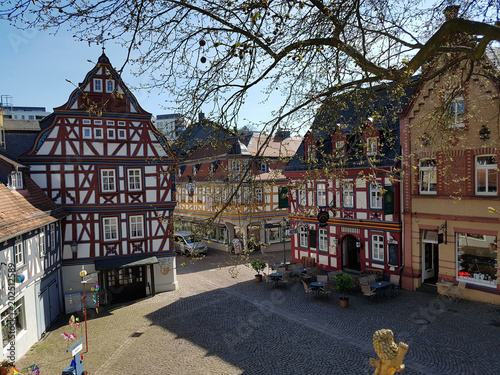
{"points": [[259, 195], [348, 195], [323, 239], [199, 194], [378, 247], [427, 177], [195, 170], [486, 175], [136, 227], [340, 148], [97, 85], [477, 258], [321, 195], [111, 133], [235, 166], [121, 123], [301, 197], [303, 237], [98, 133], [86, 122], [16, 180], [110, 85], [371, 146], [263, 167], [311, 152], [10, 317], [273, 235], [108, 180], [457, 112], [41, 242], [19, 252], [110, 122], [122, 134], [97, 122], [31, 117], [110, 228], [87, 133], [375, 197], [52, 236], [134, 179]]}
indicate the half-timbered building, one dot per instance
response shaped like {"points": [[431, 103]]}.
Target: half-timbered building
{"points": [[100, 157], [30, 260], [237, 180], [346, 171]]}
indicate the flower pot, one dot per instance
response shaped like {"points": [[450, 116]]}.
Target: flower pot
{"points": [[344, 302], [258, 278]]}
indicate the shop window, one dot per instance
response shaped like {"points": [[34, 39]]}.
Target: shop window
{"points": [[378, 247], [16, 316], [273, 235], [427, 176], [486, 175], [477, 258]]}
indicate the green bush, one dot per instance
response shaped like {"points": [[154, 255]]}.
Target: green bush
{"points": [[258, 265], [343, 283]]}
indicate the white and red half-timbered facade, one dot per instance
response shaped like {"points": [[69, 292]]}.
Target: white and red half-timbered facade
{"points": [[100, 157]]}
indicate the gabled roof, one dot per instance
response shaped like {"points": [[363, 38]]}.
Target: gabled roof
{"points": [[351, 113], [24, 210]]}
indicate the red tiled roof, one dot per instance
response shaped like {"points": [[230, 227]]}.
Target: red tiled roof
{"points": [[25, 210]]}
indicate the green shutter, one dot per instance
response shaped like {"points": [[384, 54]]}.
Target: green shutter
{"points": [[283, 197], [389, 200]]}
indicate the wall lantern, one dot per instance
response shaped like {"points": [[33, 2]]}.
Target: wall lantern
{"points": [[484, 133], [74, 249]]}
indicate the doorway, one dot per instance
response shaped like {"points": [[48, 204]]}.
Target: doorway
{"points": [[351, 253], [430, 256]]}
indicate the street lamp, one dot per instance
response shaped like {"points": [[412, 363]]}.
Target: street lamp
{"points": [[74, 249], [83, 273], [283, 224]]}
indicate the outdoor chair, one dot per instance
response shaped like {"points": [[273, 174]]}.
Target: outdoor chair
{"points": [[395, 280], [286, 278], [363, 280], [367, 292], [331, 275], [327, 289], [323, 278], [266, 278], [307, 288], [372, 279], [456, 292], [281, 270]]}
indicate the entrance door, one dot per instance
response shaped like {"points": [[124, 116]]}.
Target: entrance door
{"points": [[351, 253], [430, 258], [126, 284]]}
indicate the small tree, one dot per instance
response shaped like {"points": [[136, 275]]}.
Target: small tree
{"points": [[258, 265], [343, 283]]}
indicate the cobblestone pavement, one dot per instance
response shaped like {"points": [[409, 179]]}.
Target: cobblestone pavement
{"points": [[220, 321]]}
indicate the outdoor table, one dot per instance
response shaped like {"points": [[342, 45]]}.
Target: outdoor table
{"points": [[381, 285], [276, 277], [276, 266], [300, 271], [316, 286]]}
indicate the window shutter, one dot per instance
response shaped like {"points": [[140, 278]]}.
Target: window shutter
{"points": [[389, 200], [283, 197]]}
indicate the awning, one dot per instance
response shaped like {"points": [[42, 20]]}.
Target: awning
{"points": [[125, 262]]}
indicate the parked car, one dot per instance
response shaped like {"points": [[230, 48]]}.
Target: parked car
{"points": [[187, 245]]}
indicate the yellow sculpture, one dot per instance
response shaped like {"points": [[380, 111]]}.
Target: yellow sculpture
{"points": [[390, 355]]}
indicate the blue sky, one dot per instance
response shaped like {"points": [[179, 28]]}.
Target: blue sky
{"points": [[35, 66]]}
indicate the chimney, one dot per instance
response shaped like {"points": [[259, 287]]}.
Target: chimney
{"points": [[451, 12], [201, 116]]}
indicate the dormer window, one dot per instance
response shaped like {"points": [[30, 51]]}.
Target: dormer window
{"points": [[16, 180], [311, 152], [340, 148], [195, 170], [97, 85], [264, 167], [371, 146]]}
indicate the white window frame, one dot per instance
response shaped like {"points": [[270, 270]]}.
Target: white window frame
{"points": [[375, 197], [111, 133], [98, 133], [136, 226], [87, 133], [339, 148], [121, 123], [427, 174], [122, 134], [19, 322], [110, 89], [323, 239], [259, 195], [16, 180], [235, 166], [311, 152], [52, 236], [97, 83], [302, 197], [304, 237], [371, 146], [321, 194], [86, 121], [263, 167], [483, 164], [97, 122], [110, 122], [457, 111], [41, 242], [108, 180], [276, 235], [348, 195], [134, 179], [110, 228], [378, 252], [19, 252]]}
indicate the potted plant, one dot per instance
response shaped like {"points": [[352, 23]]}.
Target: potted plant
{"points": [[343, 284], [258, 265]]}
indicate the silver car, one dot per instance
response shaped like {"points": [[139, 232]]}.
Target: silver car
{"points": [[185, 244]]}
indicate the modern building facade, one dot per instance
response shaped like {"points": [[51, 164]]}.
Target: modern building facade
{"points": [[100, 158]]}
